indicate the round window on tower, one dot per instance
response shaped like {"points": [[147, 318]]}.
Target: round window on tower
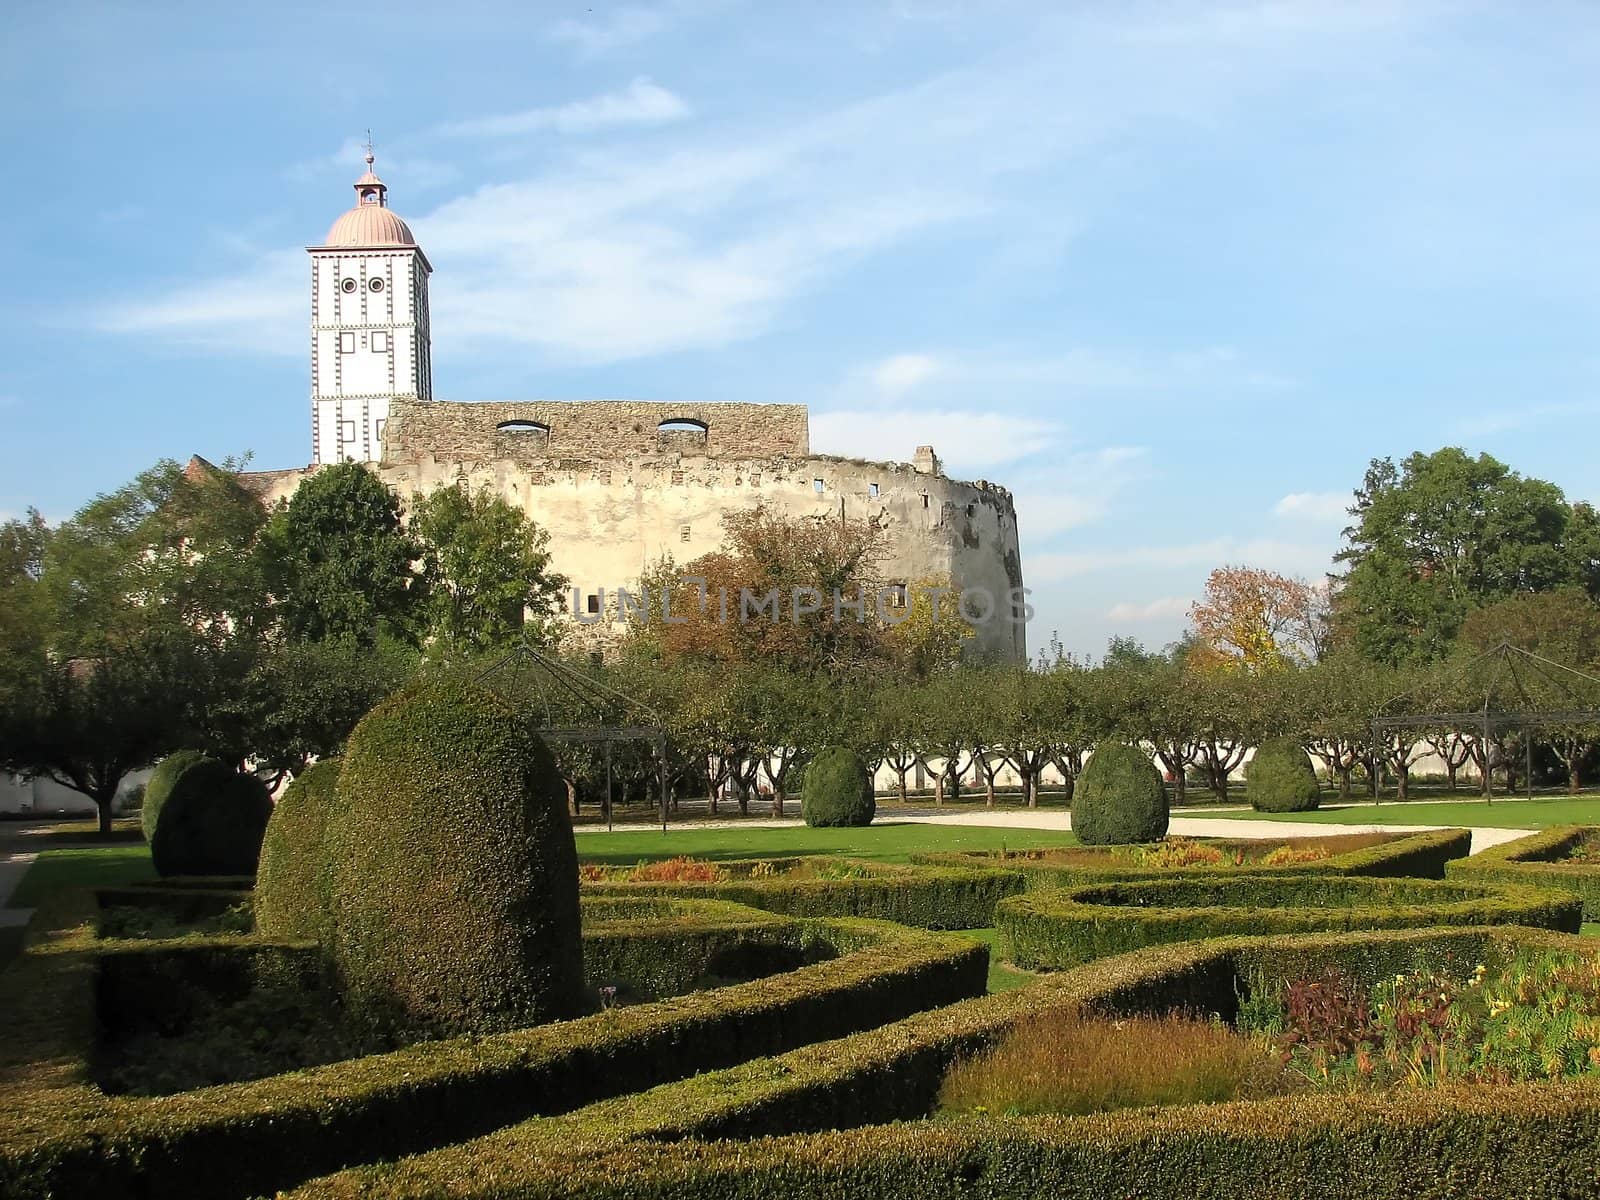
{"points": [[349, 285], [376, 285]]}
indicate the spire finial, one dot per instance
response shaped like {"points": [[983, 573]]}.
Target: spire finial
{"points": [[369, 148]]}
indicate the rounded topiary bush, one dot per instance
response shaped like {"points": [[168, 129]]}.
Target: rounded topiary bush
{"points": [[211, 821], [838, 789], [1280, 778], [159, 786], [289, 901], [1118, 799], [451, 873]]}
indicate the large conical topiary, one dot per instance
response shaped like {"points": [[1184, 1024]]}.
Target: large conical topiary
{"points": [[1119, 799], [211, 821], [838, 789], [452, 876], [159, 787], [1280, 778], [289, 899]]}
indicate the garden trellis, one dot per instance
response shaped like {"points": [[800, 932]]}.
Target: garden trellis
{"points": [[527, 676], [1521, 692]]}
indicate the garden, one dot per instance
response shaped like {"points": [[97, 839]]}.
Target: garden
{"points": [[357, 991]]}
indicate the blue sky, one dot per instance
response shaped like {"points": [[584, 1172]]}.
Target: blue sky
{"points": [[1172, 273]]}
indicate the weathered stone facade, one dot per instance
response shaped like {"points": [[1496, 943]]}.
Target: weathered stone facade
{"points": [[617, 492]]}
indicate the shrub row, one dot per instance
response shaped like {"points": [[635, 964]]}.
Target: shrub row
{"points": [[1049, 930], [1419, 855], [1537, 859], [924, 897], [60, 1136], [680, 1140]]}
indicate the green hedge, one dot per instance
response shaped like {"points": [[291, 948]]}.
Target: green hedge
{"points": [[60, 1136], [686, 1140], [664, 947], [290, 901], [158, 788], [211, 821], [924, 897], [1419, 855], [1536, 859], [1280, 778], [1060, 928], [1119, 800], [837, 789]]}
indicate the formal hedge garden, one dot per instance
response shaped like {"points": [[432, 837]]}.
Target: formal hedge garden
{"points": [[422, 991]]}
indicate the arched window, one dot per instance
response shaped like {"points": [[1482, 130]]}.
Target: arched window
{"points": [[682, 425], [523, 427], [681, 434]]}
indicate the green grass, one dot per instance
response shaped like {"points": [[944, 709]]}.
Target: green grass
{"points": [[882, 842], [54, 870], [1002, 978], [1470, 813]]}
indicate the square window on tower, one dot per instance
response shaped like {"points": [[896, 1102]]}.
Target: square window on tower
{"points": [[380, 341], [347, 343]]}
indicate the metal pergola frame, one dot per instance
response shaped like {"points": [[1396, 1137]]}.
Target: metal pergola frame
{"points": [[1503, 658], [550, 676]]}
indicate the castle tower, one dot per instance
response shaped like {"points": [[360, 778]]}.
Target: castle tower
{"points": [[369, 326]]}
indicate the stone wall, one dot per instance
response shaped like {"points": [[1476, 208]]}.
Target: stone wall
{"points": [[526, 430]]}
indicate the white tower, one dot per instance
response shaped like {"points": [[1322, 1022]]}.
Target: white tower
{"points": [[369, 326]]}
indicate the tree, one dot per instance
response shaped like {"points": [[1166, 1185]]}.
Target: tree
{"points": [[1442, 533], [339, 562], [928, 636], [485, 571], [1257, 619]]}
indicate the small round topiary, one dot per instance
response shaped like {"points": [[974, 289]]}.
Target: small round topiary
{"points": [[211, 823], [1280, 778], [451, 871], [1119, 799], [289, 900], [159, 787], [838, 789]]}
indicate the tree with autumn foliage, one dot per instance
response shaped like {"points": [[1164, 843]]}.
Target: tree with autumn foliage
{"points": [[1258, 619]]}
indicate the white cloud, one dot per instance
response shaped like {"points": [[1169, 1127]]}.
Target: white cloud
{"points": [[642, 102], [899, 373], [1293, 558], [1314, 506], [973, 441], [625, 26], [419, 172], [262, 310], [1154, 610], [1490, 424]]}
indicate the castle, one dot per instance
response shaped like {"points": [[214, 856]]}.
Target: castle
{"points": [[617, 483]]}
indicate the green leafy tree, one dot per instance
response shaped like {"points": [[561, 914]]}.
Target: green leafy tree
{"points": [[486, 570], [1442, 533], [339, 562]]}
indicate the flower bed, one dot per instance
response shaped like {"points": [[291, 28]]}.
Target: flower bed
{"points": [[1563, 856], [1422, 855], [812, 1123], [1060, 928], [62, 1135]]}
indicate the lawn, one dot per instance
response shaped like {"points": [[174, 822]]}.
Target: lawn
{"points": [[885, 842], [1474, 813], [106, 866], [1002, 978]]}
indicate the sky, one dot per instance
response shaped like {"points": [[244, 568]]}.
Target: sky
{"points": [[1171, 273]]}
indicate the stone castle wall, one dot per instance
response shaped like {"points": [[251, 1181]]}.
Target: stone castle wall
{"points": [[615, 506]]}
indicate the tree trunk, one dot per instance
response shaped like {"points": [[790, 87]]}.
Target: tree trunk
{"points": [[1344, 770], [1450, 774], [103, 808]]}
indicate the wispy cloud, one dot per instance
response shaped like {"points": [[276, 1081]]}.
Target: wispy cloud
{"points": [[1528, 416], [420, 172], [623, 27], [1295, 558], [899, 373], [974, 441], [642, 102], [1314, 506], [1153, 610]]}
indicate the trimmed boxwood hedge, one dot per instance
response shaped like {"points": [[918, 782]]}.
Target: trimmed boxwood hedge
{"points": [[60, 1136], [1538, 859], [452, 875], [1119, 799], [210, 821], [1280, 778], [1420, 855], [1064, 927], [687, 1140], [837, 789], [290, 901], [925, 897], [159, 787]]}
